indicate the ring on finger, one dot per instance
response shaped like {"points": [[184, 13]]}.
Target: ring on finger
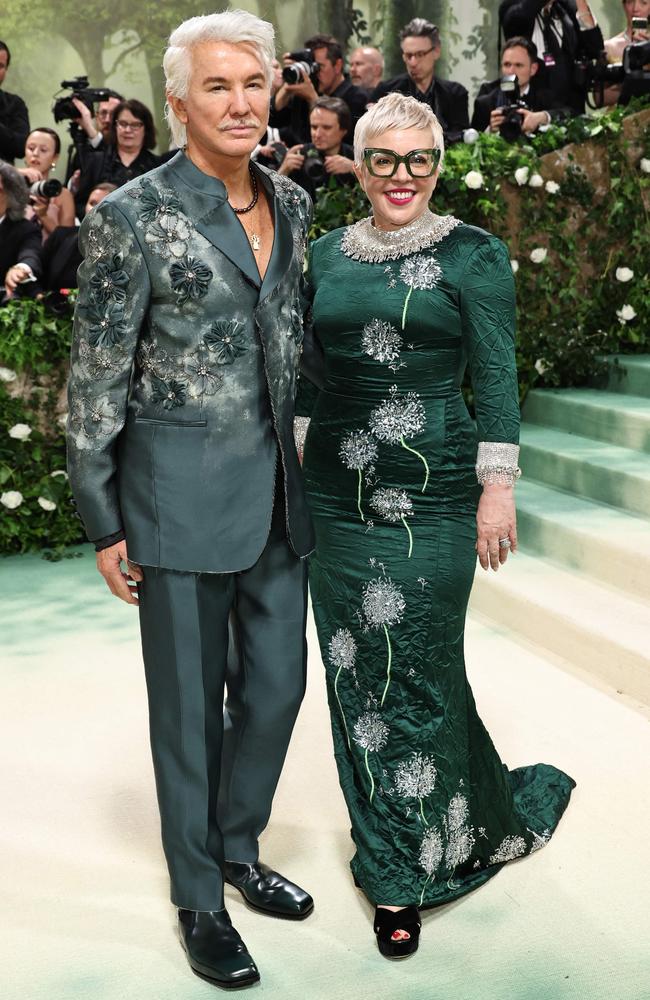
{"points": [[504, 543]]}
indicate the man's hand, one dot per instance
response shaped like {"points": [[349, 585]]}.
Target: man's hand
{"points": [[496, 119], [121, 584], [14, 276], [85, 118], [531, 120], [495, 519], [292, 161], [338, 165]]}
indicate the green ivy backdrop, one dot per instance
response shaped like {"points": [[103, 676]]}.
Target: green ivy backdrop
{"points": [[573, 207]]}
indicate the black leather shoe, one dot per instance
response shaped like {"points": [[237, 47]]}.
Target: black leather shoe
{"points": [[215, 950], [267, 891]]}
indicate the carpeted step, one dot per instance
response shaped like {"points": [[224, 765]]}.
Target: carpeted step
{"points": [[628, 374], [594, 413], [593, 469], [604, 542], [589, 624]]}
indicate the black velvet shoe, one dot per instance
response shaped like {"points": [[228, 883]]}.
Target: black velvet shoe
{"points": [[387, 922], [267, 891], [215, 950]]}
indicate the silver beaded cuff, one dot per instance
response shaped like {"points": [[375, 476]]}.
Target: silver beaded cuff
{"points": [[300, 427], [497, 463]]}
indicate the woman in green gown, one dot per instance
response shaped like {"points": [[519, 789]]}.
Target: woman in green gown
{"points": [[404, 492]]}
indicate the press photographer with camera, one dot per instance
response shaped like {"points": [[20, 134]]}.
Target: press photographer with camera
{"points": [[20, 239], [515, 104], [327, 156], [421, 49], [636, 32], [14, 119], [50, 204], [565, 34], [60, 256], [128, 153], [312, 72], [92, 132]]}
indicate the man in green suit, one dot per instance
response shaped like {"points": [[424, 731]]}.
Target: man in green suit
{"points": [[188, 339]]}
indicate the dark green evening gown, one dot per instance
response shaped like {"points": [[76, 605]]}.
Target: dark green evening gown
{"points": [[390, 471]]}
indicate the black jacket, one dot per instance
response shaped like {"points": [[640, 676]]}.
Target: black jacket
{"points": [[14, 127], [20, 243], [537, 99], [295, 116], [310, 185], [517, 17], [105, 165], [449, 101], [60, 258]]}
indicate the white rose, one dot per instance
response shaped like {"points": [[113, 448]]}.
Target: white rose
{"points": [[62, 420], [20, 431], [474, 180], [540, 367], [536, 181], [538, 255], [625, 314], [624, 274], [11, 499], [521, 175], [46, 504], [59, 474], [645, 165], [514, 264], [470, 135], [7, 375], [552, 187]]}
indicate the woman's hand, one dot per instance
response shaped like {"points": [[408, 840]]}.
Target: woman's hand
{"points": [[31, 173], [496, 519]]}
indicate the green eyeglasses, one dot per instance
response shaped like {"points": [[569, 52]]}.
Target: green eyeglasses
{"points": [[384, 162]]}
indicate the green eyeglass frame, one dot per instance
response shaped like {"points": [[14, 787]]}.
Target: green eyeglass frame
{"points": [[397, 159]]}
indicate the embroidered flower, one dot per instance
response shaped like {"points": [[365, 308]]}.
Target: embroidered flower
{"points": [[371, 734], [381, 340], [460, 836], [97, 417], [109, 281], [156, 204], [106, 327], [394, 505], [100, 241], [190, 278], [383, 605], [342, 654], [399, 418], [152, 360], [539, 839], [205, 380], [289, 196], [358, 451], [415, 778], [99, 362], [169, 393], [420, 271], [431, 851], [511, 847], [227, 340], [168, 237]]}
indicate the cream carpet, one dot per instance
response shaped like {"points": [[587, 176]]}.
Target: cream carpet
{"points": [[84, 892]]}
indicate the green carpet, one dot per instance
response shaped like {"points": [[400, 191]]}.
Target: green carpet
{"points": [[84, 891]]}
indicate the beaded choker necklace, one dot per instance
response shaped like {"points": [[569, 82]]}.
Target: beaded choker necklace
{"points": [[363, 241]]}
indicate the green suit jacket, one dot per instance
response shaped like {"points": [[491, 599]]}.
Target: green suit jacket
{"points": [[184, 369]]}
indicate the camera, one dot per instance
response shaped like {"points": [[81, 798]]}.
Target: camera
{"points": [[314, 165], [63, 108], [510, 127], [631, 73], [303, 64], [50, 188]]}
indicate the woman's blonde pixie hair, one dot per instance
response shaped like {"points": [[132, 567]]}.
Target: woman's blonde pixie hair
{"points": [[396, 111], [234, 26]]}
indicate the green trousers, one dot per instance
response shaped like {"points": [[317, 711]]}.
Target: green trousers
{"points": [[217, 766]]}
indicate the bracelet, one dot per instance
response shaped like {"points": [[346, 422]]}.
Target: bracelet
{"points": [[497, 463]]}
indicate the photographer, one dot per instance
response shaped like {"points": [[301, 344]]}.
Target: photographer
{"points": [[128, 153], [327, 155], [60, 256], [47, 209], [14, 119], [20, 239], [319, 69], [565, 33], [421, 48], [615, 47], [495, 108], [93, 132]]}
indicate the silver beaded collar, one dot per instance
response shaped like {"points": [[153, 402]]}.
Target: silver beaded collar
{"points": [[362, 241]]}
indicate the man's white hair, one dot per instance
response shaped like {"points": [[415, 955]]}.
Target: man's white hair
{"points": [[234, 26], [396, 111]]}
